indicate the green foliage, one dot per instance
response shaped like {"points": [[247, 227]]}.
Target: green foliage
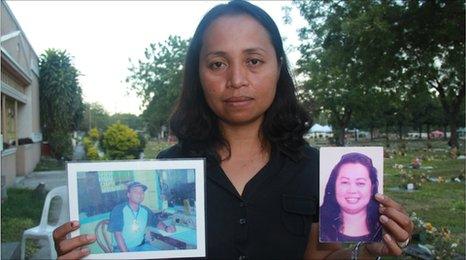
{"points": [[157, 79], [49, 164], [94, 134], [154, 147], [119, 140], [61, 106], [60, 144], [87, 142], [91, 146], [384, 63], [341, 61], [132, 121], [21, 210], [16, 217], [92, 153], [142, 144], [95, 116]]}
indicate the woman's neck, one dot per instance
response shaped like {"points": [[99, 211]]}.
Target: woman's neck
{"points": [[354, 225], [243, 139]]}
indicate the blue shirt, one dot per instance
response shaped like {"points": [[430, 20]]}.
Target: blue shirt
{"points": [[131, 224]]}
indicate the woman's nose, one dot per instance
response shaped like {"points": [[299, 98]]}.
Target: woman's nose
{"points": [[238, 77], [352, 188]]}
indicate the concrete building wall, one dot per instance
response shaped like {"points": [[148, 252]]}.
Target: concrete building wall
{"points": [[9, 167], [27, 156], [20, 99]]}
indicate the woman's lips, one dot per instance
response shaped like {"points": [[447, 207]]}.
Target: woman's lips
{"points": [[352, 200], [238, 101]]}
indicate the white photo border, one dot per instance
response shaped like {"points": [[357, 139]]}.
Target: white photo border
{"points": [[330, 156], [197, 164]]}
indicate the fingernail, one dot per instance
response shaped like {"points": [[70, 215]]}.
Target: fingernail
{"points": [[74, 223], [91, 237], [388, 237], [85, 250], [379, 196], [383, 219], [381, 209]]}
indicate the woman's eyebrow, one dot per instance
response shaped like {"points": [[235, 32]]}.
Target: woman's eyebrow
{"points": [[254, 50], [363, 179], [215, 53]]}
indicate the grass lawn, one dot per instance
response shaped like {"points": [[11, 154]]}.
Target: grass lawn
{"points": [[441, 204], [153, 147], [22, 210], [49, 164]]}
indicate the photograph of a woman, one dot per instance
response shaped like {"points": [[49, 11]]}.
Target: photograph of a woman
{"points": [[349, 211]]}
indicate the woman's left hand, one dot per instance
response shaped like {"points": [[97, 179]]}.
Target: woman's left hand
{"points": [[397, 225]]}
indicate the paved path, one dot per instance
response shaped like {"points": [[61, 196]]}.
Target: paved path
{"points": [[79, 153], [51, 179]]}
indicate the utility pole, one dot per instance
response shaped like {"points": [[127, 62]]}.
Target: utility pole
{"points": [[90, 119]]}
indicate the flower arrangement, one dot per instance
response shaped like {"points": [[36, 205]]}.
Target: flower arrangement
{"points": [[416, 163], [439, 241], [416, 178]]}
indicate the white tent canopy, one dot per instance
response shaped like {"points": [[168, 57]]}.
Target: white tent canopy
{"points": [[320, 129]]}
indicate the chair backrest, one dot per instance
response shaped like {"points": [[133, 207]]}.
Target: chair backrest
{"points": [[62, 193], [104, 239]]}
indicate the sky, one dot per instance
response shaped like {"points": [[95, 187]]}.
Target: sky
{"points": [[101, 37]]}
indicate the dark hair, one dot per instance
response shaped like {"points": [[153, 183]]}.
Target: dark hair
{"points": [[331, 221], [195, 124]]}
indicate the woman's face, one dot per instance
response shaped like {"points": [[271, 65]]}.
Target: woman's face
{"points": [[353, 187], [238, 69]]}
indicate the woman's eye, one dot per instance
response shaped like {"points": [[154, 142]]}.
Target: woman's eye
{"points": [[216, 65], [360, 184], [254, 62]]}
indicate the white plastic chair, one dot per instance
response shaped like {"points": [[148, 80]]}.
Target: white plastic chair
{"points": [[45, 229]]}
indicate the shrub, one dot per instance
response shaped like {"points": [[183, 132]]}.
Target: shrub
{"points": [[60, 144], [94, 134], [119, 141], [87, 142], [138, 150], [92, 153]]}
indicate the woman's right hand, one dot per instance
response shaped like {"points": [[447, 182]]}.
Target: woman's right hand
{"points": [[72, 248]]}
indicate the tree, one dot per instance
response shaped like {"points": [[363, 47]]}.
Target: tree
{"points": [[95, 116], [133, 121], [338, 52], [434, 37], [157, 80], [399, 49], [61, 106]]}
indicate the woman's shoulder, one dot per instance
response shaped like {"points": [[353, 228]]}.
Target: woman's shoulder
{"points": [[311, 152], [171, 152]]}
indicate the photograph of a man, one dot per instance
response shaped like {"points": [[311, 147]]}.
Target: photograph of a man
{"points": [[128, 221]]}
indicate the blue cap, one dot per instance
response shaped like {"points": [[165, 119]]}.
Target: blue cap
{"points": [[133, 184]]}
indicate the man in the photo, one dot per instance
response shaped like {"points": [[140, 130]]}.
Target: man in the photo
{"points": [[128, 221]]}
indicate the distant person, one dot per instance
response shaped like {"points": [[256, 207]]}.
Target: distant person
{"points": [[128, 221], [349, 211]]}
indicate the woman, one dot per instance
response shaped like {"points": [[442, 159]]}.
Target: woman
{"points": [[238, 109], [349, 211]]}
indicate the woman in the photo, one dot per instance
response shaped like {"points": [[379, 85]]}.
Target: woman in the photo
{"points": [[349, 211], [238, 109]]}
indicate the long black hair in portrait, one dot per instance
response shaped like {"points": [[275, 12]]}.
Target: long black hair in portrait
{"points": [[330, 218], [196, 125]]}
